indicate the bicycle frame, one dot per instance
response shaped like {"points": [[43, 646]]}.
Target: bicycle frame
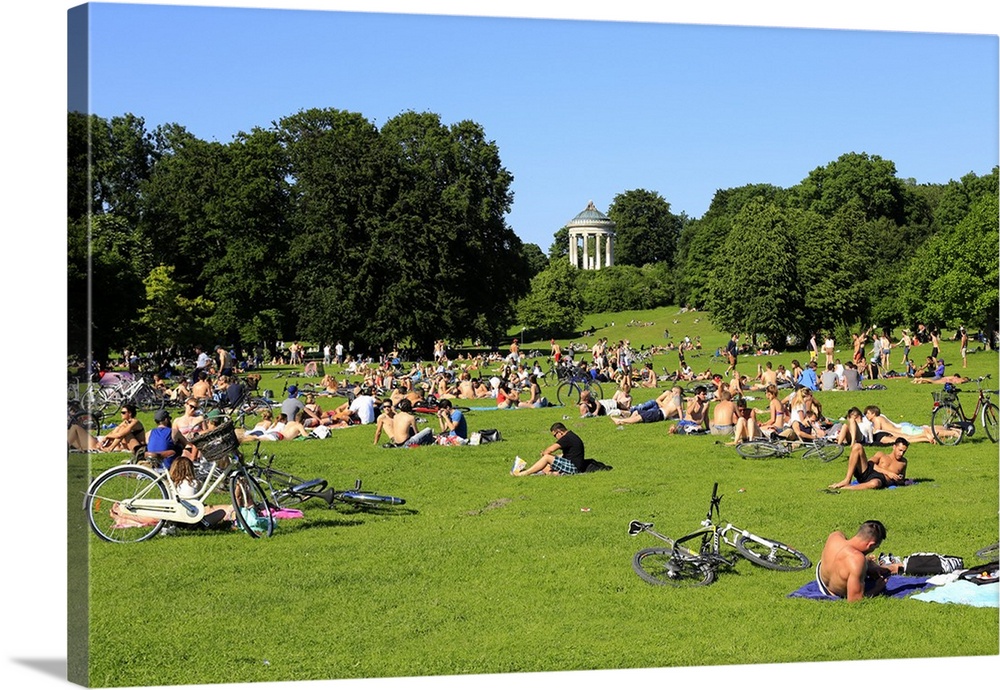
{"points": [[712, 537]]}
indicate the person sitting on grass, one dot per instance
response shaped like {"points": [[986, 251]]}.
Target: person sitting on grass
{"points": [[535, 398], [844, 570], [127, 436], [452, 421], [570, 461], [589, 407], [884, 469], [938, 376], [723, 415], [623, 396], [403, 428], [384, 420], [159, 440], [745, 427], [808, 428]]}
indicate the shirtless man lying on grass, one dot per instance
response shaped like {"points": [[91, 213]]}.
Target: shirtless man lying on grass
{"points": [[884, 469], [846, 572]]}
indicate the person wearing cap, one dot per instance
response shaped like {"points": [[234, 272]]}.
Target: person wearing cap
{"points": [[291, 405], [159, 440], [844, 570]]}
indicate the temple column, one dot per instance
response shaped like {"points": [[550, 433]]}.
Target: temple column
{"points": [[586, 251]]}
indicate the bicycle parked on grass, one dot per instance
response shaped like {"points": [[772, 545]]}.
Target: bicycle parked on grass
{"points": [[681, 565], [823, 449], [286, 490], [948, 414], [569, 391], [131, 503]]}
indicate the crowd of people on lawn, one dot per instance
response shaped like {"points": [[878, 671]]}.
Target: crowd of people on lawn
{"points": [[385, 394]]}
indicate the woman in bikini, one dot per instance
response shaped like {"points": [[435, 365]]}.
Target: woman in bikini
{"points": [[777, 420]]}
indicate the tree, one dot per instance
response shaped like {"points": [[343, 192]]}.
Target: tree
{"points": [[829, 267], [457, 267], [552, 306], [559, 249], [219, 215], [338, 197], [169, 319], [953, 278], [646, 231], [870, 180], [757, 290], [700, 243], [537, 261]]}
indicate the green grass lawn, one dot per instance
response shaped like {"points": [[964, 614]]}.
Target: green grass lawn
{"points": [[487, 573]]}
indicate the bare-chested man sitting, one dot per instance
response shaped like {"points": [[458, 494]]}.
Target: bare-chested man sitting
{"points": [[724, 415], [884, 469], [844, 570], [402, 428]]}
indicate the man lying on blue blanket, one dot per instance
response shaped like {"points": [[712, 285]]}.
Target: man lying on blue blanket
{"points": [[844, 570]]}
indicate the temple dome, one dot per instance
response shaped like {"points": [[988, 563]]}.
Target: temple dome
{"points": [[590, 217]]}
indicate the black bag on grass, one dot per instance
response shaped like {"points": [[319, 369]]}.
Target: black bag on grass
{"points": [[931, 564], [489, 435], [596, 466]]}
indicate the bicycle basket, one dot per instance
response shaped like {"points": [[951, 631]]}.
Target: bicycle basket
{"points": [[944, 396], [218, 444]]}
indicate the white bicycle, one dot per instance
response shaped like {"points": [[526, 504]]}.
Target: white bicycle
{"points": [[131, 503]]}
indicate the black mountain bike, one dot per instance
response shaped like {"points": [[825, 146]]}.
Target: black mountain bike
{"points": [[948, 421]]}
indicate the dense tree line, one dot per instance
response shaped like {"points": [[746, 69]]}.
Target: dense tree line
{"points": [[325, 227], [851, 246], [322, 227]]}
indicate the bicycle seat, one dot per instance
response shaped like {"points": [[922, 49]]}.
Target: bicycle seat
{"points": [[635, 527]]}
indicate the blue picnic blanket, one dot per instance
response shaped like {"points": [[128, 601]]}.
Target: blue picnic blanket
{"points": [[898, 586]]}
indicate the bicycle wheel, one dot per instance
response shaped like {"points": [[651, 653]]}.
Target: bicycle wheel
{"points": [[990, 421], [947, 417], [596, 391], [568, 393], [364, 500], [107, 504], [662, 566], [758, 449], [824, 451], [253, 510], [771, 554]]}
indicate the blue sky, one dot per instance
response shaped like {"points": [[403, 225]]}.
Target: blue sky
{"points": [[580, 109]]}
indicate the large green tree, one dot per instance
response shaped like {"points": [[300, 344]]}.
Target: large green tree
{"points": [[757, 289], [868, 179], [552, 309], [456, 267], [953, 278], [646, 231]]}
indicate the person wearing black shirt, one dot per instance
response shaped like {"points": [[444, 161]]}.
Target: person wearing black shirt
{"points": [[571, 460]]}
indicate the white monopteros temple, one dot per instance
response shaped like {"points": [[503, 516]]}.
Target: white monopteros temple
{"points": [[591, 239]]}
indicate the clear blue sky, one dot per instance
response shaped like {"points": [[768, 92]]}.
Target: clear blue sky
{"points": [[581, 110]]}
